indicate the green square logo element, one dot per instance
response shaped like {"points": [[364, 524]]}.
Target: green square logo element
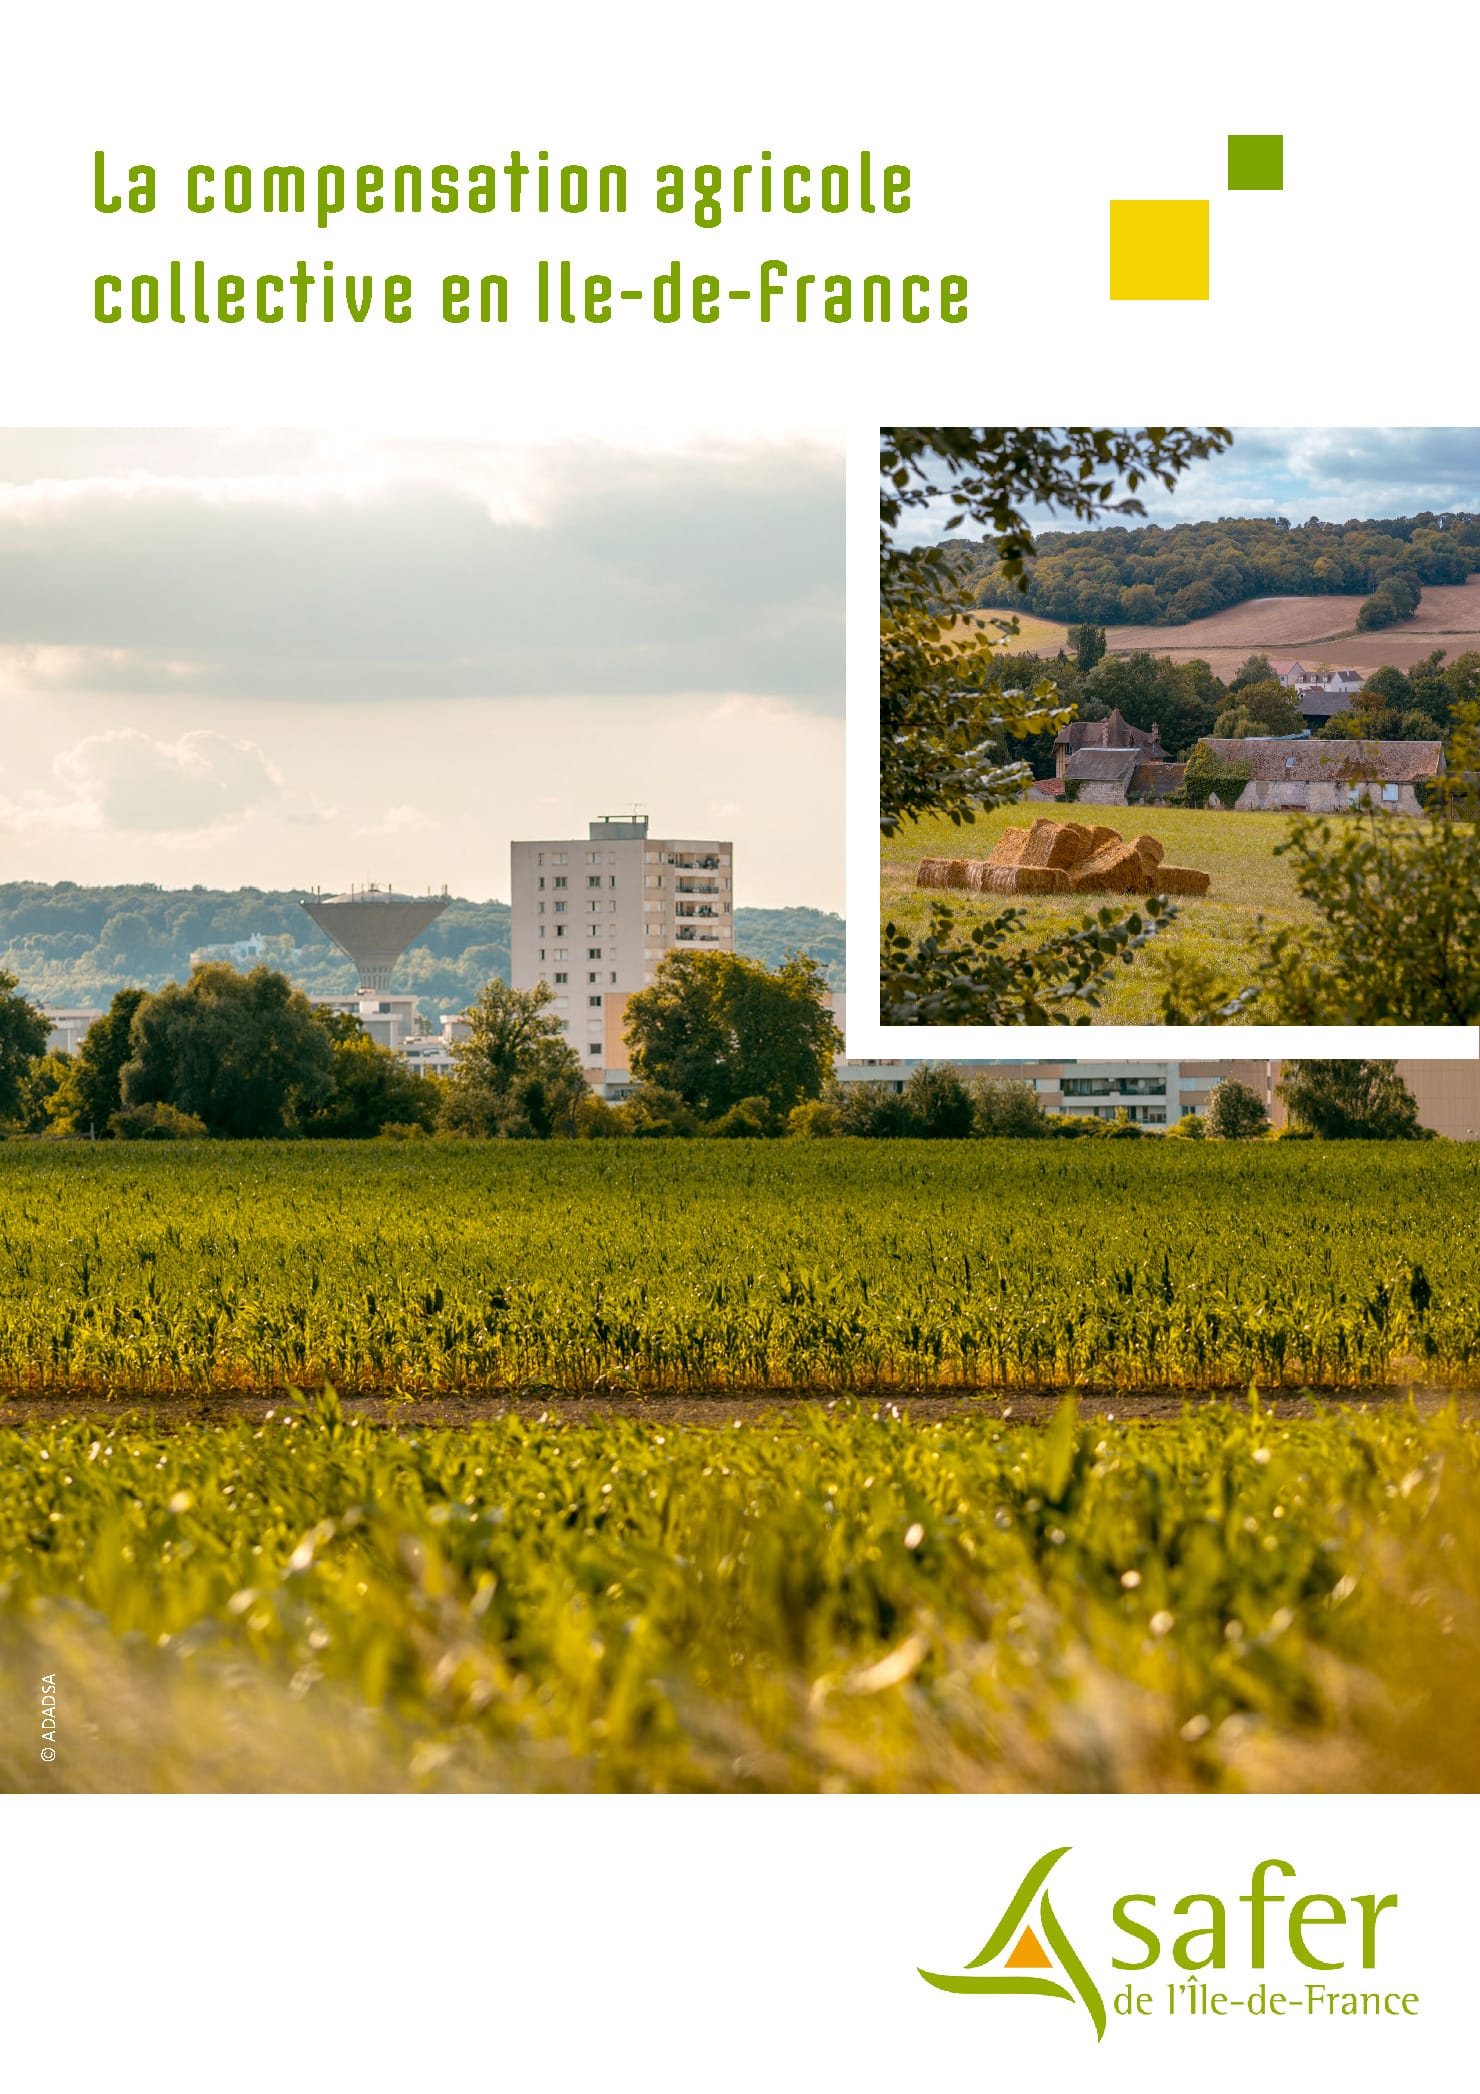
{"points": [[1256, 162]]}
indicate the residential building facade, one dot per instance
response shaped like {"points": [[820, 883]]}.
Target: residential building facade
{"points": [[594, 916]]}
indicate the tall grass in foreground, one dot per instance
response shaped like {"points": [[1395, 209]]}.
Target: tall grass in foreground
{"points": [[847, 1602]]}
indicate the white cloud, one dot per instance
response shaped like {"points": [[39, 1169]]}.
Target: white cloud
{"points": [[127, 782]]}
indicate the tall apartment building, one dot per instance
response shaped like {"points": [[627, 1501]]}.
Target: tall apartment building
{"points": [[594, 917]]}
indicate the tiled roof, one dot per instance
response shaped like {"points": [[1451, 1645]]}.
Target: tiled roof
{"points": [[1106, 766], [1312, 762], [1112, 733]]}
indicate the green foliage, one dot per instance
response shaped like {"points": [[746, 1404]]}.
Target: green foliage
{"points": [[1088, 642], [940, 1105], [23, 1033], [1160, 576], [1351, 1101], [43, 1079], [91, 1091], [816, 1120], [370, 1089], [719, 1031], [515, 1074], [507, 1266], [942, 726], [988, 980], [1003, 1109], [242, 1053], [75, 946], [155, 1123], [1207, 775], [846, 1600], [1261, 708], [1235, 1112], [1395, 598]]}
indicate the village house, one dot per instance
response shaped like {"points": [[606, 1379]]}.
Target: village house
{"points": [[1112, 733], [1329, 777], [1319, 693], [1120, 777]]}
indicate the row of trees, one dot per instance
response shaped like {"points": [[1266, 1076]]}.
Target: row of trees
{"points": [[718, 1042], [720, 1046], [1324, 1100], [1167, 576]]}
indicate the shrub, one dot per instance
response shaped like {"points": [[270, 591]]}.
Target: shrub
{"points": [[749, 1119], [814, 1120], [155, 1123]]}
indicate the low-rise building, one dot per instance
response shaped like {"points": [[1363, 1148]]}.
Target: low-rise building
{"points": [[68, 1029], [1287, 773]]}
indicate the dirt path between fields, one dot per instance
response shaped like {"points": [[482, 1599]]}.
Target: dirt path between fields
{"points": [[725, 1411]]}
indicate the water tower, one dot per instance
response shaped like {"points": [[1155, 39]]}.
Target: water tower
{"points": [[374, 926]]}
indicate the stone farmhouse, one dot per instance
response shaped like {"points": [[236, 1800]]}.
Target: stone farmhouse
{"points": [[1329, 777]]}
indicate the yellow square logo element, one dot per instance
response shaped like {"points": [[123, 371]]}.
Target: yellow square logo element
{"points": [[1159, 249]]}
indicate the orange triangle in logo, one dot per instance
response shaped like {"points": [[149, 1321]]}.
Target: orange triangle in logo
{"points": [[1028, 1955]]}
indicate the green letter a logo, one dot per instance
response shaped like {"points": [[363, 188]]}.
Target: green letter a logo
{"points": [[1028, 1952]]}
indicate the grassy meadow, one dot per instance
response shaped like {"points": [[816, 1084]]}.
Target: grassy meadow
{"points": [[1249, 882]]}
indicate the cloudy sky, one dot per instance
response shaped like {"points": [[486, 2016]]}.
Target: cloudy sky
{"points": [[289, 659], [1335, 474]]}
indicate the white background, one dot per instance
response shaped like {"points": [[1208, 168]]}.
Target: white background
{"points": [[726, 1943], [682, 1944]]}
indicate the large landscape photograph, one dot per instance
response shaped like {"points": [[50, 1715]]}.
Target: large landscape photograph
{"points": [[1180, 726], [466, 1321]]}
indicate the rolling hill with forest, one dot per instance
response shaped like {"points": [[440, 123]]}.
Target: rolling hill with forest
{"points": [[71, 945]]}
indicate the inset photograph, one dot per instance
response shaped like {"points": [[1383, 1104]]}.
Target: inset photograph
{"points": [[1179, 726]]}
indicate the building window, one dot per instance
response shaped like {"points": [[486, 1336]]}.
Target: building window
{"points": [[542, 952], [593, 952], [593, 879], [559, 977], [542, 880], [614, 977], [594, 1002], [593, 1047], [1390, 793], [542, 908], [560, 880]]}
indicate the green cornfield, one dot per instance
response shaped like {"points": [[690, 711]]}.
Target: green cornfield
{"points": [[820, 1599], [745, 1267]]}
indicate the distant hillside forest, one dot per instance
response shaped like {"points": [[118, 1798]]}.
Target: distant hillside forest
{"points": [[77, 945], [1161, 576]]}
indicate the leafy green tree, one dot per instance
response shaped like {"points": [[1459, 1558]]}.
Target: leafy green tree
{"points": [[988, 979], [1007, 1109], [1266, 708], [1235, 1112], [1386, 690], [243, 1054], [39, 1087], [91, 1092], [515, 1040], [935, 722], [23, 1032], [1351, 1101], [940, 1106], [370, 1089], [1253, 669], [717, 1029], [873, 1111], [1088, 642]]}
